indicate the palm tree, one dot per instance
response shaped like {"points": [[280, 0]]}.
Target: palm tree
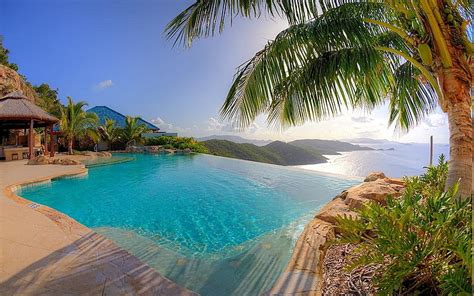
{"points": [[133, 130], [108, 132], [415, 54], [75, 122]]}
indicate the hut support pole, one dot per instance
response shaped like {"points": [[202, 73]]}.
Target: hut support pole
{"points": [[30, 140], [45, 141], [51, 141]]}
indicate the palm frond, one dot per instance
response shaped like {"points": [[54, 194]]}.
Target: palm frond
{"points": [[347, 78], [317, 60], [411, 99], [206, 17]]}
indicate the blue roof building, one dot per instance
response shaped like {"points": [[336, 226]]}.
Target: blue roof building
{"points": [[104, 112]]}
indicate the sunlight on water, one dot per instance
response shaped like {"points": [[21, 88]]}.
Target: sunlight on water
{"points": [[394, 159]]}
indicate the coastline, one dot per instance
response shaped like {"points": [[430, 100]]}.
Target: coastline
{"points": [[46, 251]]}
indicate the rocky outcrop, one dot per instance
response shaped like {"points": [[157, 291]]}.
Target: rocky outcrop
{"points": [[135, 149], [156, 150], [43, 160], [10, 81], [98, 154], [377, 190], [374, 176], [304, 273]]}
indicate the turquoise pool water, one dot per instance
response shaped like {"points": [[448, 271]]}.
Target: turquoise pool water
{"points": [[215, 225]]}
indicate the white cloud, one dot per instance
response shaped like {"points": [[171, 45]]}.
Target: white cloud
{"points": [[436, 120], [104, 84], [361, 119], [162, 124], [170, 127], [214, 125]]}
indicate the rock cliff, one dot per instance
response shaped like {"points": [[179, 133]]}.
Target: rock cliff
{"points": [[304, 273], [10, 81]]}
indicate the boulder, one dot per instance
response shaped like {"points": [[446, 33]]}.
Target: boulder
{"points": [[375, 190], [395, 181], [136, 149], [334, 209], [374, 176], [57, 161], [68, 161], [39, 160], [104, 154], [152, 149]]}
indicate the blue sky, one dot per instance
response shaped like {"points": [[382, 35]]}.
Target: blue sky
{"points": [[114, 53]]}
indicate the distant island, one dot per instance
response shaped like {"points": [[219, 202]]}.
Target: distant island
{"points": [[299, 152], [235, 139]]}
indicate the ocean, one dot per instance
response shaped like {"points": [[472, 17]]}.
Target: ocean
{"points": [[393, 158]]}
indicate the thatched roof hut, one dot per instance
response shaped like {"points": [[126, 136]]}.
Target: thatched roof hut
{"points": [[16, 111]]}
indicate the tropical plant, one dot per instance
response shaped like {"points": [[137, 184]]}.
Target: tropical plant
{"points": [[133, 130], [177, 143], [76, 123], [352, 54], [4, 56], [109, 132], [48, 99], [421, 241]]}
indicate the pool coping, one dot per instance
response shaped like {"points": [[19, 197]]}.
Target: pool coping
{"points": [[73, 227]]}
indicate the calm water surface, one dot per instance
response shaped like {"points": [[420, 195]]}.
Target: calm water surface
{"points": [[394, 159], [215, 225]]}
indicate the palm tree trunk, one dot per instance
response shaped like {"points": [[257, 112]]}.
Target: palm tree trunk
{"points": [[458, 102], [69, 146]]}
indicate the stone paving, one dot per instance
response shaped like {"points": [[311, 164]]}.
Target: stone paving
{"points": [[44, 252]]}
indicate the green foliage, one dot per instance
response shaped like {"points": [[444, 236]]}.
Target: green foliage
{"points": [[4, 56], [336, 54], [176, 143], [109, 132], [422, 239], [133, 130], [48, 99], [76, 123], [275, 153]]}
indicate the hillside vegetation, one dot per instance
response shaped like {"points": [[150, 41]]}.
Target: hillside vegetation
{"points": [[275, 153], [298, 152], [328, 147]]}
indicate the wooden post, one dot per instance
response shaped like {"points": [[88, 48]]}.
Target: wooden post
{"points": [[51, 141], [30, 140], [431, 150], [45, 140]]}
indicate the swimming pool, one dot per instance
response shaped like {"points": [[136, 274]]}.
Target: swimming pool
{"points": [[215, 225]]}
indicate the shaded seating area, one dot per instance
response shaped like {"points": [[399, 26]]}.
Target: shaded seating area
{"points": [[20, 120]]}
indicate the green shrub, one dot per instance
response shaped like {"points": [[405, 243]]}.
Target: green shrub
{"points": [[176, 143], [422, 240]]}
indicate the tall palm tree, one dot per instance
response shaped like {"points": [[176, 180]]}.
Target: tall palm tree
{"points": [[133, 130], [75, 122], [109, 132], [415, 54]]}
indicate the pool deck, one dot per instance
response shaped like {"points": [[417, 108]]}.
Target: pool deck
{"points": [[44, 252]]}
